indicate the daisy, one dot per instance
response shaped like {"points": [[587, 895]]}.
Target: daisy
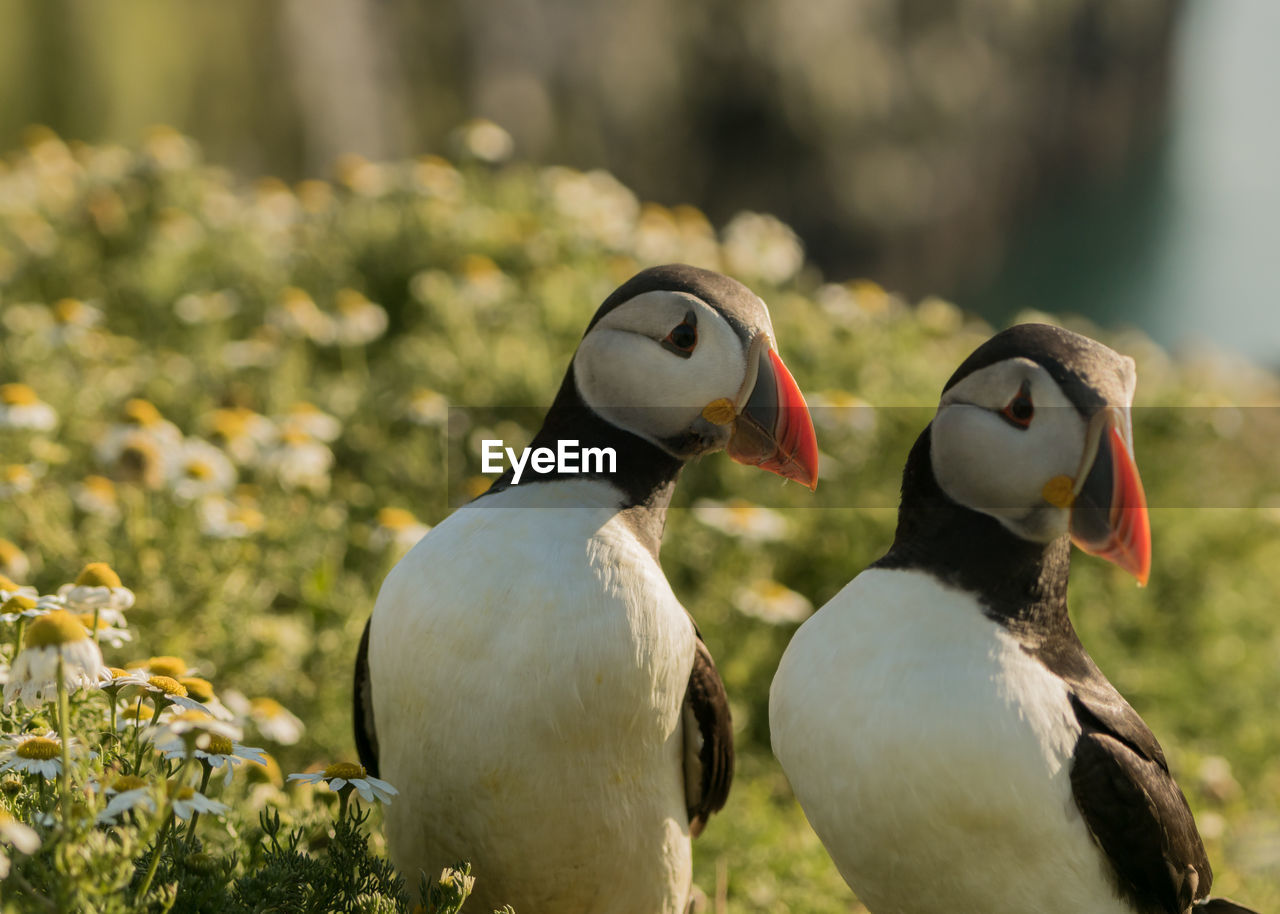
{"points": [[772, 602], [13, 561], [210, 307], [397, 527], [113, 635], [138, 457], [219, 752], [298, 316], [21, 606], [341, 775], [128, 792], [201, 690], [73, 319], [34, 753], [358, 321], [97, 495], [20, 407], [273, 720], [9, 589], [55, 639], [194, 728], [310, 420], [201, 469], [97, 589], [163, 665], [741, 519], [224, 518], [241, 432], [163, 690], [19, 478], [23, 838], [300, 462], [188, 802], [427, 407]]}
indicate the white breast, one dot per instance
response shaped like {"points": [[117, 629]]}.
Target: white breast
{"points": [[932, 754], [528, 661]]}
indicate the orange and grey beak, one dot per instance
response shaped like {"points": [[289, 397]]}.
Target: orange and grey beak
{"points": [[773, 429], [1109, 514]]}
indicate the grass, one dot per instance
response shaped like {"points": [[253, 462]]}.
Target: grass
{"points": [[144, 273]]}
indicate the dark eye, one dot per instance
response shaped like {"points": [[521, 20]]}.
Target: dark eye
{"points": [[1019, 411], [683, 338]]}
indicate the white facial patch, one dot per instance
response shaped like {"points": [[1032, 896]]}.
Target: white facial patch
{"points": [[987, 463], [626, 375]]}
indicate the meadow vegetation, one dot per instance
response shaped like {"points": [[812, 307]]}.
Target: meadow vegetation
{"points": [[246, 401]]}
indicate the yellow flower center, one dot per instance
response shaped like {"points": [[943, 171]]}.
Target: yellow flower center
{"points": [[294, 436], [86, 619], [173, 667], [141, 412], [134, 712], [116, 672], [67, 310], [7, 584], [292, 297], [18, 602], [345, 770], [200, 470], [168, 685], [181, 792], [97, 574], [100, 486], [219, 745], [16, 472], [396, 518], [18, 395], [303, 408], [349, 301], [127, 782], [39, 747], [197, 688], [53, 629]]}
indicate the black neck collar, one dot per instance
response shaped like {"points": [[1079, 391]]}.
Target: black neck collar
{"points": [[646, 474], [1021, 584]]}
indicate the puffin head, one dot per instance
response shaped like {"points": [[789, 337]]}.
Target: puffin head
{"points": [[1034, 430], [685, 358]]}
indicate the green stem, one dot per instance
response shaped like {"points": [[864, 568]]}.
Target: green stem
{"points": [[17, 640], [155, 857], [64, 730], [343, 795], [96, 611], [195, 813]]}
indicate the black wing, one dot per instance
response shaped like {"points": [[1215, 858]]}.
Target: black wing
{"points": [[362, 707], [708, 741], [1123, 788]]}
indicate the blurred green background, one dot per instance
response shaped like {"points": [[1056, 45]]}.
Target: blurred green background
{"points": [[1111, 159]]}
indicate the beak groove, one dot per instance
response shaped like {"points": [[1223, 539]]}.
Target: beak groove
{"points": [[1109, 518], [773, 430]]}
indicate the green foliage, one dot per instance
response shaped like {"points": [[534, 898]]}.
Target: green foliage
{"points": [[143, 274]]}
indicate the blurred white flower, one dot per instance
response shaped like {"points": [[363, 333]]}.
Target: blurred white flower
{"points": [[273, 720], [21, 408], [206, 307], [188, 800], [14, 563], [298, 316], [98, 589], [483, 140], [763, 247], [772, 602], [224, 518], [397, 527], [241, 432], [19, 478], [298, 461], [23, 838], [200, 469], [128, 792], [97, 495], [358, 321], [741, 519], [427, 407], [310, 420]]}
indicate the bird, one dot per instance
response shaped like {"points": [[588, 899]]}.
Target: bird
{"points": [[944, 730], [528, 680]]}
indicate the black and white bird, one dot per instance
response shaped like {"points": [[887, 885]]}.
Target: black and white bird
{"points": [[528, 680], [950, 740]]}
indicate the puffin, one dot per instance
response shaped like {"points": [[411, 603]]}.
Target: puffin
{"points": [[947, 735], [528, 680]]}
